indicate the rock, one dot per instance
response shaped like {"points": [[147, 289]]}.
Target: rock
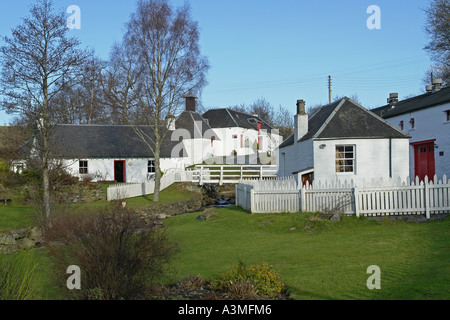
{"points": [[293, 229], [161, 216], [7, 240], [336, 218], [26, 244]]}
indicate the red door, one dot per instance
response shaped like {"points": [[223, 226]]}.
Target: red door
{"points": [[424, 159]]}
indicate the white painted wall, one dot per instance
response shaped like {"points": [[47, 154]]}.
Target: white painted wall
{"points": [[430, 124], [136, 169], [228, 144], [298, 156], [372, 159]]}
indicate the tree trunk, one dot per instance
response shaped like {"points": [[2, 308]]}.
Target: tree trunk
{"points": [[157, 176]]}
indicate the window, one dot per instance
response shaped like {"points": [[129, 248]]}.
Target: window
{"points": [[83, 166], [151, 166], [345, 158], [447, 115], [411, 122], [401, 125]]}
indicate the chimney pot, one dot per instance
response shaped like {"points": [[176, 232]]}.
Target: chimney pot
{"points": [[190, 102], [301, 107], [393, 98]]}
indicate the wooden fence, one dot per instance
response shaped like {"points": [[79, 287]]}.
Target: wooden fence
{"points": [[130, 190], [376, 198], [217, 174]]}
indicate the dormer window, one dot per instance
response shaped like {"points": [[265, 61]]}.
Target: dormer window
{"points": [[252, 120]]}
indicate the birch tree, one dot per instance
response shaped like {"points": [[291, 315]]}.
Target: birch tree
{"points": [[166, 41], [38, 61]]}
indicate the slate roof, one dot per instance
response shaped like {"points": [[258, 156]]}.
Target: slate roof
{"points": [[105, 141], [345, 119], [416, 103], [120, 141], [228, 118]]}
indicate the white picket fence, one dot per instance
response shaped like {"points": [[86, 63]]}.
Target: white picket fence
{"points": [[376, 198], [131, 190]]}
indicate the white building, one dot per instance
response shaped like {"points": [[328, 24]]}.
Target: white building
{"points": [[343, 141], [243, 137], [426, 118]]}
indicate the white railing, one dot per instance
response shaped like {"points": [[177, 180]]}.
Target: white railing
{"points": [[202, 174], [231, 173], [377, 198]]}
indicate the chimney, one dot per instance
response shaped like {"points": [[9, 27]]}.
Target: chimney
{"points": [[190, 102], [429, 88], [300, 121], [170, 122], [393, 99], [437, 84]]}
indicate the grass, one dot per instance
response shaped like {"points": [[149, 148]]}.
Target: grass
{"points": [[15, 217], [318, 259], [321, 259]]}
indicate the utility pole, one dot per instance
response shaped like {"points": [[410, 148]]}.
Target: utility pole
{"points": [[329, 89]]}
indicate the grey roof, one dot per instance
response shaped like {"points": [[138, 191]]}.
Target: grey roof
{"points": [[419, 102], [228, 118], [193, 122], [344, 119], [105, 141]]}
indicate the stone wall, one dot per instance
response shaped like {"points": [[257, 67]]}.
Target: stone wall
{"points": [[19, 240]]}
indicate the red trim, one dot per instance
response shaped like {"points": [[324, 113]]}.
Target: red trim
{"points": [[422, 142], [124, 170]]}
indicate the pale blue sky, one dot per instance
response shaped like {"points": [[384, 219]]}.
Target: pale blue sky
{"points": [[280, 50]]}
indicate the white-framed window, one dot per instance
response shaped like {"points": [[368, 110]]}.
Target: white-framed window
{"points": [[345, 158], [151, 166], [447, 115], [412, 123], [83, 167]]}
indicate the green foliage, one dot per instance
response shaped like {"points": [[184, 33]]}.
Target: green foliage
{"points": [[266, 281], [17, 278]]}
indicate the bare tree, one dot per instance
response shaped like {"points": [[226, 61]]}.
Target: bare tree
{"points": [[121, 83], [166, 42], [263, 109], [437, 28], [284, 122], [38, 62]]}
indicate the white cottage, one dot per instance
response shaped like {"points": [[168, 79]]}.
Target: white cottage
{"points": [[344, 141], [116, 153], [426, 118], [242, 135]]}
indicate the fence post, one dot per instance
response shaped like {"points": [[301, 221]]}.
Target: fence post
{"points": [[302, 200], [252, 200], [356, 200], [260, 172], [221, 175], [427, 198]]}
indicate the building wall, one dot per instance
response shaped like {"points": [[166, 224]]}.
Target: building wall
{"points": [[298, 156], [429, 124], [371, 159], [135, 170], [227, 144]]}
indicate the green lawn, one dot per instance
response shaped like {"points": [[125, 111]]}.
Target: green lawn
{"points": [[320, 259]]}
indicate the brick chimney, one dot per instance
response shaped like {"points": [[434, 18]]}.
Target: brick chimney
{"points": [[300, 121], [190, 102]]}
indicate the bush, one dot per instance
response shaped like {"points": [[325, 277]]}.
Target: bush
{"points": [[243, 281], [119, 255], [17, 278]]}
